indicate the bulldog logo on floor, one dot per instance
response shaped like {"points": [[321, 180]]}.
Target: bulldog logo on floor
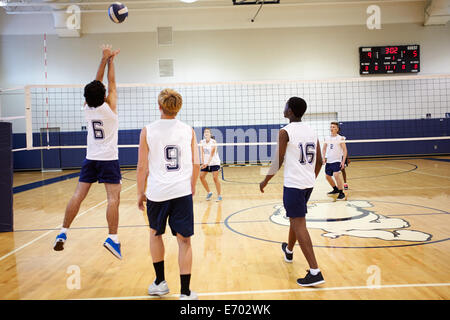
{"points": [[353, 218]]}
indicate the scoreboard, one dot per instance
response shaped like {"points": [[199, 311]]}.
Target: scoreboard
{"points": [[389, 59]]}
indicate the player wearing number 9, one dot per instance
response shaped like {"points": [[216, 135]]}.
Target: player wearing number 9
{"points": [[102, 156], [298, 146], [167, 172]]}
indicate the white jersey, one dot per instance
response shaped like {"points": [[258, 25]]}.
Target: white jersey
{"points": [[169, 160], [103, 129], [300, 157], [334, 152], [207, 151]]}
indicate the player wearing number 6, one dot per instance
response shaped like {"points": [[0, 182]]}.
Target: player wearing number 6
{"points": [[298, 146], [167, 172], [102, 156]]}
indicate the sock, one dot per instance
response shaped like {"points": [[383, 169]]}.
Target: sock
{"points": [[114, 237], [335, 188], [63, 230], [159, 270], [185, 279], [314, 272], [288, 251]]}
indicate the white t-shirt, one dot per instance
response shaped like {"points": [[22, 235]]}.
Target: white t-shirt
{"points": [[207, 150], [169, 160], [103, 128], [300, 157], [334, 151]]}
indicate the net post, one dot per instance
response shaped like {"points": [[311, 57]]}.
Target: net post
{"points": [[28, 118]]}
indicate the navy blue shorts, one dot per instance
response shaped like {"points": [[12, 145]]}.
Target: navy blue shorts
{"points": [[101, 171], [180, 212], [330, 168], [295, 201], [211, 169]]}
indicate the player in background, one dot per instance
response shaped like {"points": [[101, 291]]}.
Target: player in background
{"points": [[346, 163], [298, 146], [335, 154], [210, 163], [102, 155], [167, 172]]}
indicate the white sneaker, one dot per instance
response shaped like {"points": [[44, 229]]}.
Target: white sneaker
{"points": [[192, 296], [208, 196], [158, 290]]}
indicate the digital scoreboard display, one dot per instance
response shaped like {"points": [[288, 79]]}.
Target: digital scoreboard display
{"points": [[389, 59]]}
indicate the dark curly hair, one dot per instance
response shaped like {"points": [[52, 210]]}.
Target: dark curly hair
{"points": [[94, 93], [297, 105]]}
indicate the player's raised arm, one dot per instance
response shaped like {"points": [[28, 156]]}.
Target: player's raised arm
{"points": [[106, 54], [142, 169], [111, 99], [278, 159]]}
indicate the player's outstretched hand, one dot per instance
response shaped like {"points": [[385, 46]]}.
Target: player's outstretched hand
{"points": [[106, 50]]}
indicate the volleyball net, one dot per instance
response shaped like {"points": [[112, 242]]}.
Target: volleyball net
{"points": [[379, 116]]}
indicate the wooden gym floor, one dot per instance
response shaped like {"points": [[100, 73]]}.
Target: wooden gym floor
{"points": [[389, 240]]}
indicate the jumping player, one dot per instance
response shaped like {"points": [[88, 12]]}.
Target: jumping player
{"points": [[299, 147], [210, 163], [102, 156], [169, 165], [335, 154]]}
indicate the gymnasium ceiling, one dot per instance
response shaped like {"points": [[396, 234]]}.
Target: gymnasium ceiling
{"points": [[38, 16]]}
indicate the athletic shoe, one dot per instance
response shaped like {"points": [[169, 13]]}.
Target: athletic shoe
{"points": [[59, 242], [341, 196], [287, 256], [208, 196], [310, 280], [158, 289], [333, 193], [219, 198], [113, 247], [192, 296], [345, 186]]}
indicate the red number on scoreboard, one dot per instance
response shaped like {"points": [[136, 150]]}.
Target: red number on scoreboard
{"points": [[415, 53], [415, 66], [366, 68], [391, 50], [376, 67], [403, 66]]}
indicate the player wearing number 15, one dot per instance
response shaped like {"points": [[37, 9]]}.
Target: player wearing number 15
{"points": [[102, 156], [298, 146], [167, 172]]}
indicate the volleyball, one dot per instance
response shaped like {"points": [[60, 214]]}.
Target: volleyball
{"points": [[117, 12]]}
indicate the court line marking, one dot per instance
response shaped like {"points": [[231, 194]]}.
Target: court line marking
{"points": [[228, 293], [58, 227]]}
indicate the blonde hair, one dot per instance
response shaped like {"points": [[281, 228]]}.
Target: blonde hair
{"points": [[170, 101]]}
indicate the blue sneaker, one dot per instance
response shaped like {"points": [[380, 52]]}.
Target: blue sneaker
{"points": [[113, 247], [219, 198], [208, 196], [59, 242]]}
